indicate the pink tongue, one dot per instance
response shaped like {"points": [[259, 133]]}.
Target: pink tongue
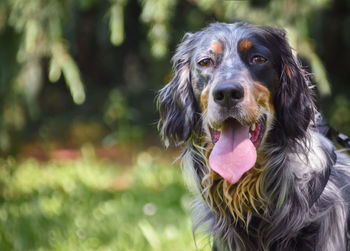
{"points": [[234, 153]]}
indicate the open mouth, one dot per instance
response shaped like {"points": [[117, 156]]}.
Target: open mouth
{"points": [[255, 134], [234, 151]]}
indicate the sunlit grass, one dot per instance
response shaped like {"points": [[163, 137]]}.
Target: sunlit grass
{"points": [[87, 204]]}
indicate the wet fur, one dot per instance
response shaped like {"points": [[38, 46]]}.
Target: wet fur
{"points": [[272, 206]]}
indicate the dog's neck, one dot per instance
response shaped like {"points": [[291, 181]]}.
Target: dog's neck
{"points": [[280, 180]]}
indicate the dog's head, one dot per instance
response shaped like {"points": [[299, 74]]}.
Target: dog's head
{"points": [[236, 88]]}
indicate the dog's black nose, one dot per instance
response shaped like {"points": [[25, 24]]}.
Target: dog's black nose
{"points": [[228, 94]]}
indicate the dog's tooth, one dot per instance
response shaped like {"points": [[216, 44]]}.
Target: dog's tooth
{"points": [[253, 127], [250, 135]]}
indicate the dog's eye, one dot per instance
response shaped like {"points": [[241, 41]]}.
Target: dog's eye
{"points": [[258, 60], [205, 62]]}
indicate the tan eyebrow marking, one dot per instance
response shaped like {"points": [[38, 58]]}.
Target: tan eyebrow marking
{"points": [[245, 45], [216, 47]]}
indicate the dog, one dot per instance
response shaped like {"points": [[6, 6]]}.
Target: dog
{"points": [[264, 178]]}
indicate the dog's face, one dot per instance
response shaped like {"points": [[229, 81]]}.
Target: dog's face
{"points": [[234, 76], [235, 83]]}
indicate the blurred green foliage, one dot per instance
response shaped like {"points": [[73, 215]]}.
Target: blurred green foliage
{"points": [[109, 58], [92, 205]]}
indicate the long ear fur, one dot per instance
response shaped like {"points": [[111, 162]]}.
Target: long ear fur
{"points": [[176, 102], [293, 101]]}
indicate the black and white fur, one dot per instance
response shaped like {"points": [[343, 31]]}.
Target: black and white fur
{"points": [[294, 156]]}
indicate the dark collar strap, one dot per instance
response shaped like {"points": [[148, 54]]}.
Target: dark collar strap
{"points": [[331, 134], [316, 195]]}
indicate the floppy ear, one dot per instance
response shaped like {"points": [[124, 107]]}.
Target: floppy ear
{"points": [[293, 101], [176, 102]]}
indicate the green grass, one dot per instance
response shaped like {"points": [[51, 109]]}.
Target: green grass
{"points": [[88, 204]]}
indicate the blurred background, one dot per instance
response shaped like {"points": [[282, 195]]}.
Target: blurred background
{"points": [[82, 166]]}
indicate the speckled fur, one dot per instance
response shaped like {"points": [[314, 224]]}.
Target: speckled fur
{"points": [[271, 207]]}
